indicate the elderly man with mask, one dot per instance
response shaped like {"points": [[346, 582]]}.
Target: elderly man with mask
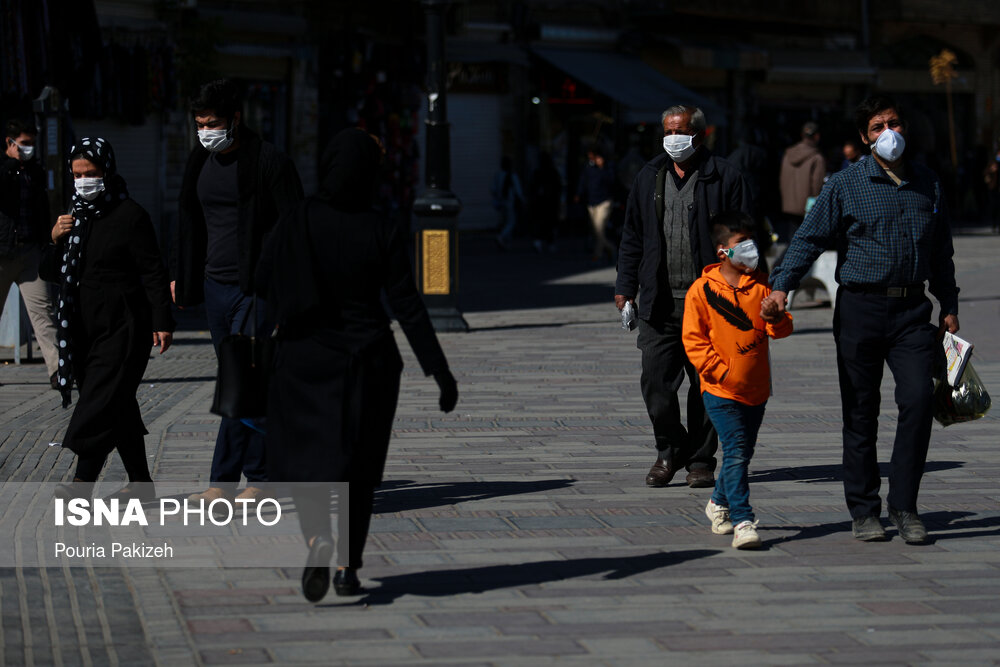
{"points": [[234, 190], [887, 219], [666, 242]]}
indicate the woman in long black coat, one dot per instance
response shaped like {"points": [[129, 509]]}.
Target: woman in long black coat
{"points": [[114, 301], [335, 381]]}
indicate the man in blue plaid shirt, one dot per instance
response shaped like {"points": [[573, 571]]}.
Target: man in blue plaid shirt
{"points": [[886, 218]]}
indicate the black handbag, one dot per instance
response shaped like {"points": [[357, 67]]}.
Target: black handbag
{"points": [[244, 365]]}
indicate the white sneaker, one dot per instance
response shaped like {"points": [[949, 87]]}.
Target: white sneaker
{"points": [[745, 535], [719, 516]]}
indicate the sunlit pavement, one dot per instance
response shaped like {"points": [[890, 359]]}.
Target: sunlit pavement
{"points": [[518, 530]]}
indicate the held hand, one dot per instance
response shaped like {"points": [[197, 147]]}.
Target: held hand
{"points": [[449, 390], [949, 323], [63, 226], [621, 300], [773, 305], [771, 316], [163, 340]]}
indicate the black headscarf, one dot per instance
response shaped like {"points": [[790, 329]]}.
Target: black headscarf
{"points": [[349, 171], [85, 214]]}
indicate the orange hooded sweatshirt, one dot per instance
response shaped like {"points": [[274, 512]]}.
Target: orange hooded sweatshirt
{"points": [[725, 337]]}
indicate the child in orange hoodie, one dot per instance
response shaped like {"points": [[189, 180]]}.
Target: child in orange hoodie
{"points": [[725, 337]]}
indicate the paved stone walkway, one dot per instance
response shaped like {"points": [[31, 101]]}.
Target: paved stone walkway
{"points": [[518, 531]]}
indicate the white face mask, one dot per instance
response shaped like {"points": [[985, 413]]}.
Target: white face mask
{"points": [[678, 147], [890, 145], [89, 188], [25, 151], [216, 140], [744, 253]]}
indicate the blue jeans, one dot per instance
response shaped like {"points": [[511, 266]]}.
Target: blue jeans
{"points": [[737, 425], [238, 448]]}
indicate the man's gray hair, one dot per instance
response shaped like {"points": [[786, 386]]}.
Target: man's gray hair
{"points": [[696, 114]]}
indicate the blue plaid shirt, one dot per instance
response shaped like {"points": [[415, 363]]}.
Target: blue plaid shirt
{"points": [[885, 235]]}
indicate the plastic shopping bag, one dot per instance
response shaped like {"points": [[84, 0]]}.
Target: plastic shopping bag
{"points": [[966, 401], [628, 316]]}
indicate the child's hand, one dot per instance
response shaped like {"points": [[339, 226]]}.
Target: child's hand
{"points": [[771, 317], [769, 311]]}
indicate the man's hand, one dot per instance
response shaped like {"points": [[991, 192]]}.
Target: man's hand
{"points": [[949, 323], [163, 340], [63, 226], [449, 390], [773, 306], [621, 300]]}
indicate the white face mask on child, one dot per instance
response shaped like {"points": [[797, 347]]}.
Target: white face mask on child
{"points": [[745, 254]]}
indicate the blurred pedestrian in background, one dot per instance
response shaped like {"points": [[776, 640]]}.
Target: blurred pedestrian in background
{"points": [[991, 175], [544, 191], [508, 198], [337, 368], [24, 230], [114, 301], [751, 159], [597, 190], [851, 152], [801, 177], [235, 188]]}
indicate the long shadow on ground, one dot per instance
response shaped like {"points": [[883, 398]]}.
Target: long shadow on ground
{"points": [[989, 526], [441, 583], [832, 473], [402, 495]]}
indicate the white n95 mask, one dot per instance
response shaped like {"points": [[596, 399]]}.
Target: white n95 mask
{"points": [[744, 253], [678, 146], [216, 140], [890, 145], [89, 188], [25, 151]]}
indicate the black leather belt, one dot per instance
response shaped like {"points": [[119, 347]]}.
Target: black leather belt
{"points": [[896, 292]]}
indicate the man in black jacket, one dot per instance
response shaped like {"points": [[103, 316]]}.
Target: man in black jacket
{"points": [[666, 242], [234, 190], [24, 228]]}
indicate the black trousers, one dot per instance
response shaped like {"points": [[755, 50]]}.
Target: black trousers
{"points": [[871, 331], [354, 515], [133, 453], [664, 365]]}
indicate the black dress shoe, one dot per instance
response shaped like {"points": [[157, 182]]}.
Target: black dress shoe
{"points": [[909, 525], [316, 575], [700, 478], [661, 473], [346, 582], [75, 489], [54, 381], [868, 529]]}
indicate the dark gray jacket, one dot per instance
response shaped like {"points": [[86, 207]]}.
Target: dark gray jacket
{"points": [[642, 265], [269, 185]]}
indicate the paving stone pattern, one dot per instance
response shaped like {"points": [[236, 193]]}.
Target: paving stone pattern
{"points": [[518, 531]]}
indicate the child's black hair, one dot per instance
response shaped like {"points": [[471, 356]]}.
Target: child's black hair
{"points": [[727, 223]]}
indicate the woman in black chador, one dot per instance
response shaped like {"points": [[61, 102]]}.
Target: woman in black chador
{"points": [[114, 300], [335, 382]]}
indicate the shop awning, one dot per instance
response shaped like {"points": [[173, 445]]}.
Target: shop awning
{"points": [[643, 91]]}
